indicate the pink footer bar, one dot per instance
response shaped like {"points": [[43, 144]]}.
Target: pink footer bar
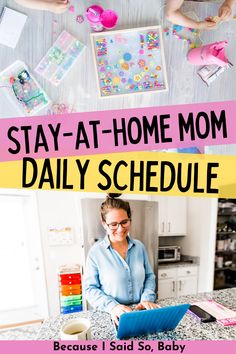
{"points": [[129, 346]]}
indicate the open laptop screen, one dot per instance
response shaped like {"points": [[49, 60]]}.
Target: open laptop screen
{"points": [[136, 323]]}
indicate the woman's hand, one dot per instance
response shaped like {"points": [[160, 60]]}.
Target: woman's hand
{"points": [[146, 305], [208, 24], [117, 311]]}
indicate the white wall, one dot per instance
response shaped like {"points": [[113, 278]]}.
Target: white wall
{"points": [[58, 209], [201, 238]]}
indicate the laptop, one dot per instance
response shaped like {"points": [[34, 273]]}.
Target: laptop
{"points": [[136, 323]]}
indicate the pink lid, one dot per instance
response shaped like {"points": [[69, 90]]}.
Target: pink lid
{"points": [[93, 13], [109, 19]]}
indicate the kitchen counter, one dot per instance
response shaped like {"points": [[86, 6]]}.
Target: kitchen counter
{"points": [[189, 328], [186, 261], [176, 264]]}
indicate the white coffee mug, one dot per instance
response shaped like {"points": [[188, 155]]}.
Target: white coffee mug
{"points": [[79, 328]]}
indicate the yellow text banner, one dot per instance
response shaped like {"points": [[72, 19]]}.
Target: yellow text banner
{"points": [[140, 172]]}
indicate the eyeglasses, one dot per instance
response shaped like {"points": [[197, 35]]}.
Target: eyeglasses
{"points": [[115, 225]]}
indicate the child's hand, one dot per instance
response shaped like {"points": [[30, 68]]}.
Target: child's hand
{"points": [[208, 24], [225, 11]]}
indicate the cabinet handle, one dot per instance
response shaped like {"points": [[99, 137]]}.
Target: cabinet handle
{"points": [[188, 272], [180, 283], [163, 274], [163, 227], [168, 226], [173, 282]]}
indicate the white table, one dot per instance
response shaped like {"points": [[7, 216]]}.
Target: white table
{"points": [[79, 87]]}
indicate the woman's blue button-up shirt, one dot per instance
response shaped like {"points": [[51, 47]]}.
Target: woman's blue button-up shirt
{"points": [[110, 280]]}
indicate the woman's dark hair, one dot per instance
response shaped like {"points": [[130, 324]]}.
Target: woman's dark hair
{"points": [[111, 202]]}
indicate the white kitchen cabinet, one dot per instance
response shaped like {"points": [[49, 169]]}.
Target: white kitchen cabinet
{"points": [[166, 288], [186, 286], [177, 281], [166, 283], [187, 280], [172, 216]]}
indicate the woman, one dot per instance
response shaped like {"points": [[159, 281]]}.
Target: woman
{"points": [[118, 272]]}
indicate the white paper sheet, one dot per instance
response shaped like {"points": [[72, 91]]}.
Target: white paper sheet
{"points": [[11, 25]]}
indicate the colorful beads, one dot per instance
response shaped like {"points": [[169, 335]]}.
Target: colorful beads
{"points": [[127, 56], [141, 36], [152, 39], [80, 18], [116, 80], [101, 46], [141, 63], [125, 66], [137, 78], [185, 38]]}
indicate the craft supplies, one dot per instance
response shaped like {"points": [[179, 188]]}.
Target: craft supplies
{"points": [[71, 8], [129, 61], [80, 18], [100, 18], [11, 26], [60, 58], [60, 108], [93, 15], [22, 89], [109, 19], [188, 35], [209, 73], [191, 38], [213, 53]]}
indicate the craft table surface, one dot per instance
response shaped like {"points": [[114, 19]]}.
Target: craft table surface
{"points": [[79, 87]]}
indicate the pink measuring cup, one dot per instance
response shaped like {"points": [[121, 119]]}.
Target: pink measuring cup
{"points": [[213, 53]]}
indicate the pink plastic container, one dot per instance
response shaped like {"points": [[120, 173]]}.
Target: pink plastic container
{"points": [[109, 19], [213, 53], [93, 14]]}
